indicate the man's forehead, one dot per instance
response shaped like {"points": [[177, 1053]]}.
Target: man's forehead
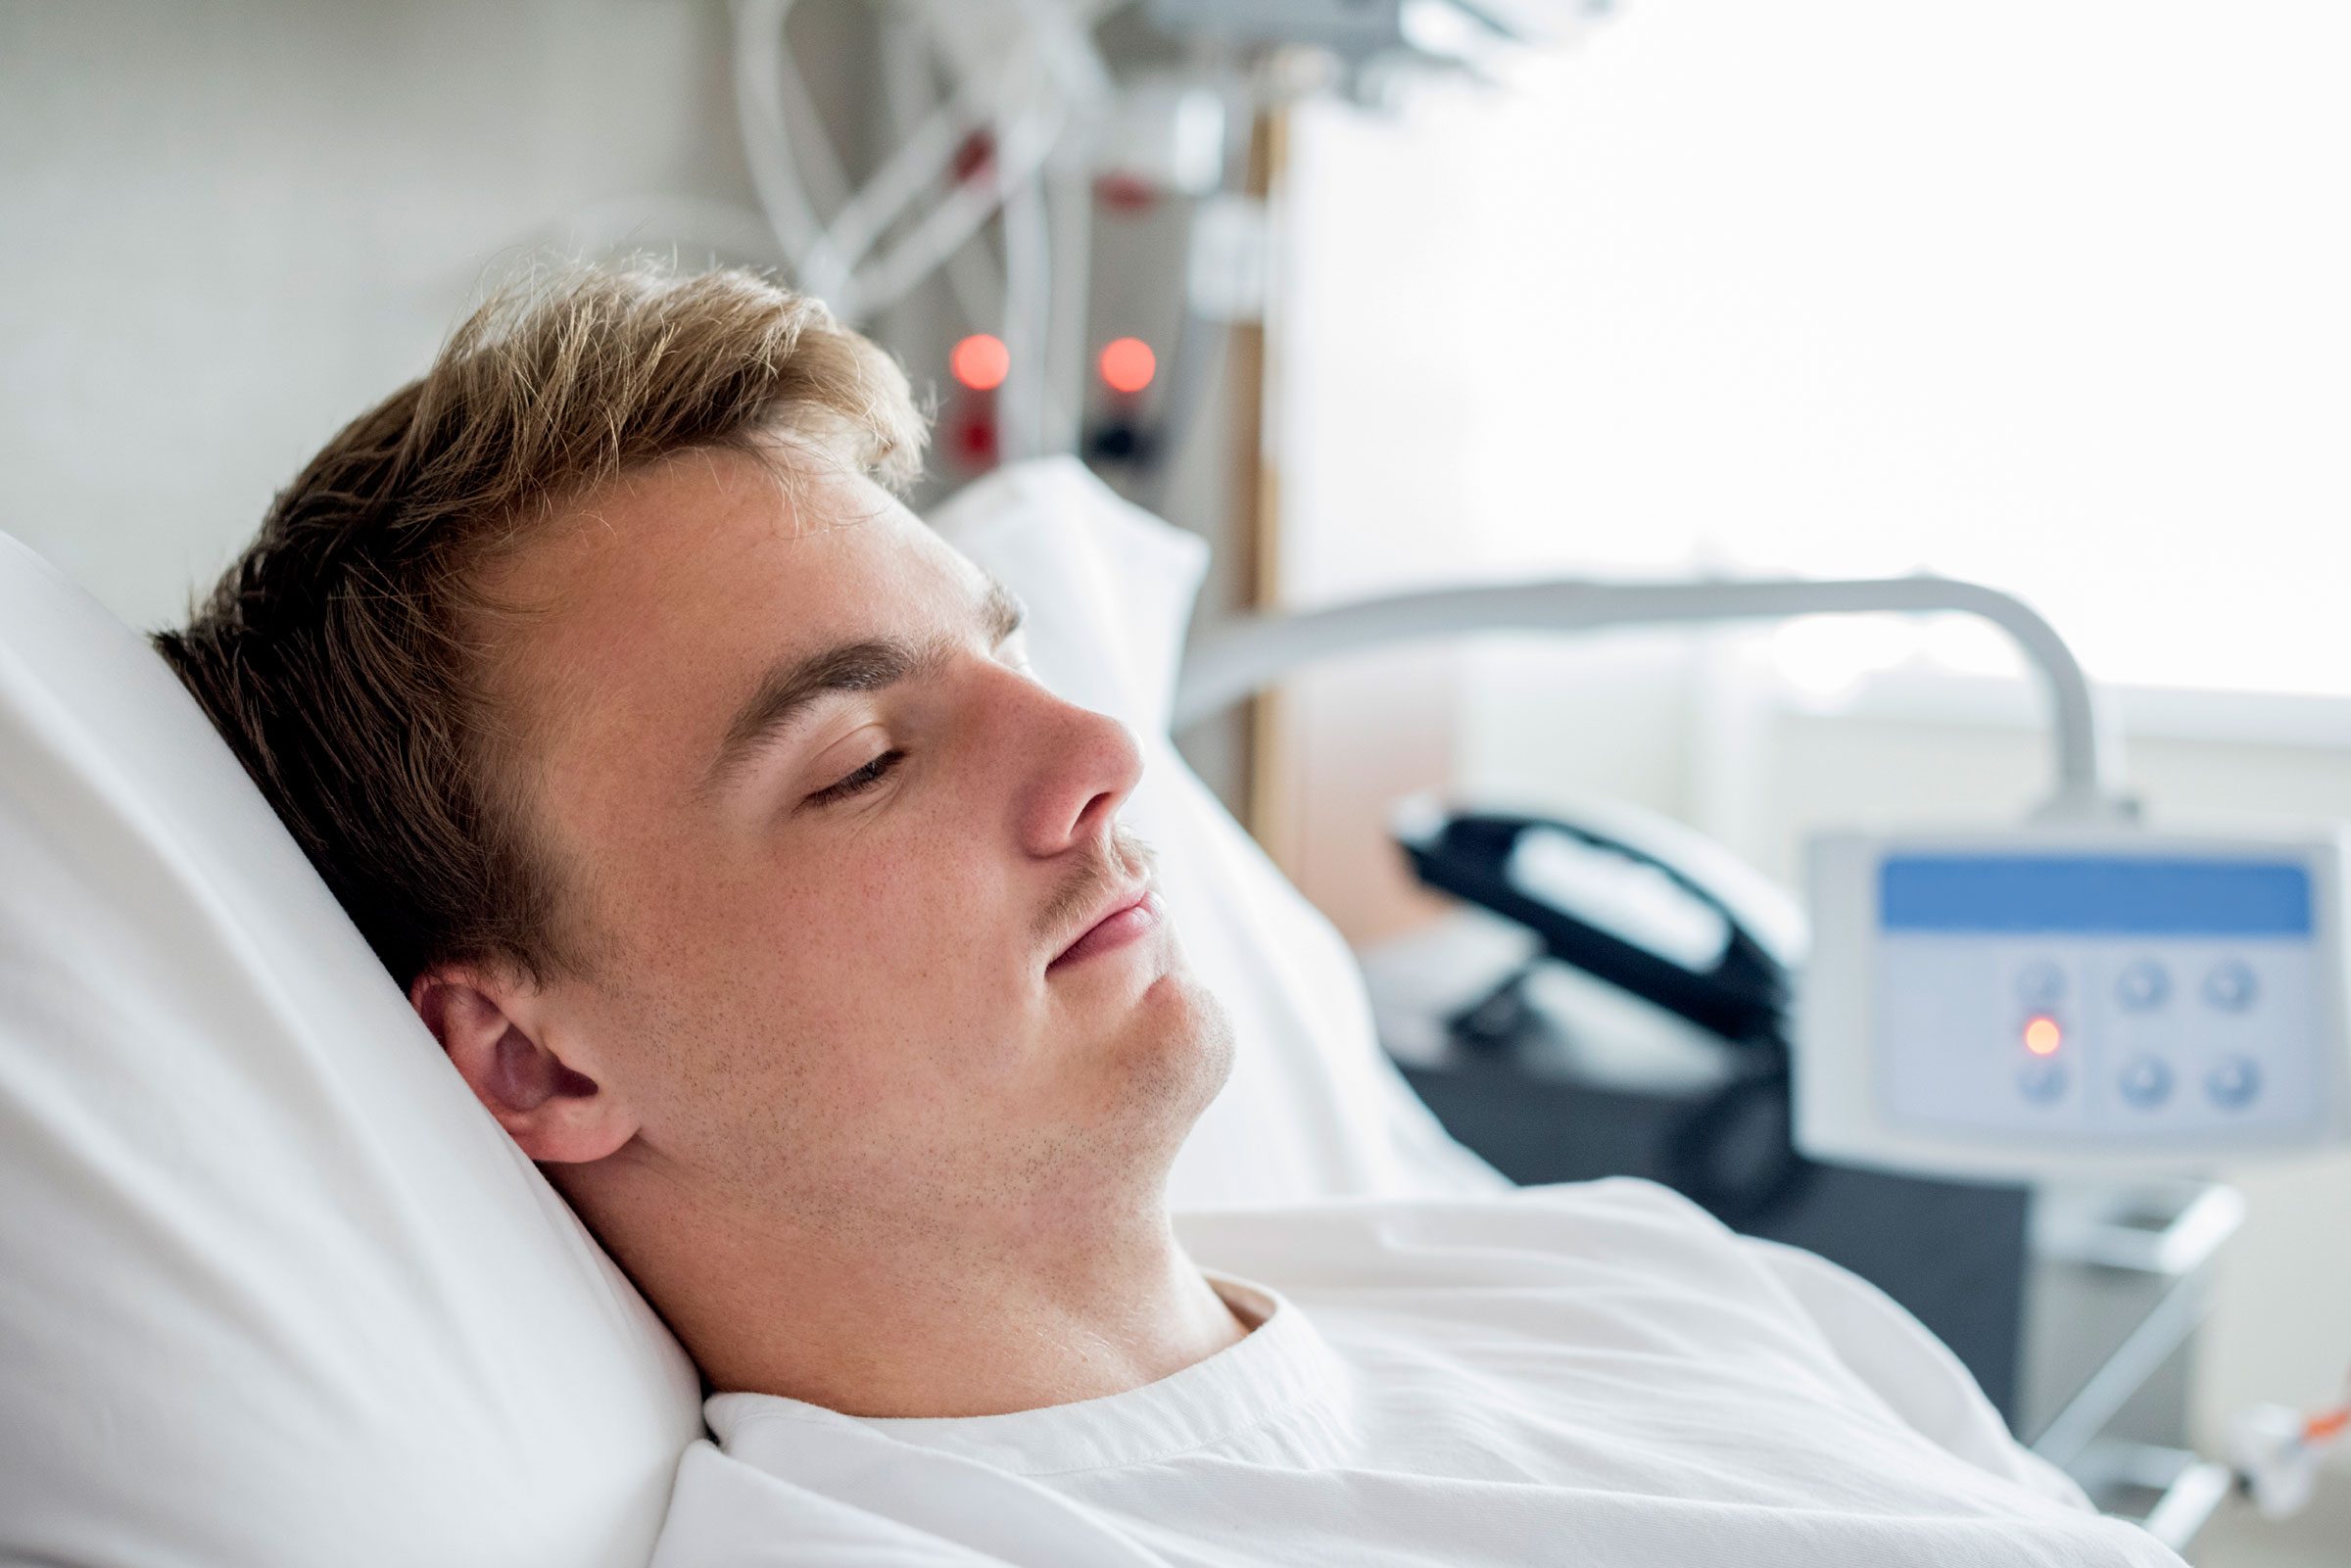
{"points": [[672, 586], [703, 516]]}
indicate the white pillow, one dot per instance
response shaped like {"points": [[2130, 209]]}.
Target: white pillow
{"points": [[1314, 1108], [274, 1288]]}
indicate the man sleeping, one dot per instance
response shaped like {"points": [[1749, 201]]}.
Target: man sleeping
{"points": [[698, 796]]}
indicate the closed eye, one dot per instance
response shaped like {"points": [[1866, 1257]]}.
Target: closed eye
{"points": [[862, 779]]}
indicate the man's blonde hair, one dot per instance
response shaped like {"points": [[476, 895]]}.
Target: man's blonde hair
{"points": [[332, 655]]}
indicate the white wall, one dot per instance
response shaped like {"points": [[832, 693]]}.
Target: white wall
{"points": [[226, 228]]}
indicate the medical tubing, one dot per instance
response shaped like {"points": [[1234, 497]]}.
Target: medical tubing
{"points": [[1069, 188], [1021, 401], [908, 93], [1233, 660], [1025, 107], [913, 169], [1066, 182], [807, 141], [1021, 145], [760, 68]]}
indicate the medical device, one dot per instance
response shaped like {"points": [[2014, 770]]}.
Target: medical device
{"points": [[2087, 992], [1648, 911], [1660, 914], [2071, 997], [2276, 1452], [1005, 126]]}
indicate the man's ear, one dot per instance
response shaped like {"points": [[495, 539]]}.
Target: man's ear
{"points": [[492, 1033]]}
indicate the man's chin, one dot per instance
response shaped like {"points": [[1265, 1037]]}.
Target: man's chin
{"points": [[1173, 1055], [1205, 1045]]}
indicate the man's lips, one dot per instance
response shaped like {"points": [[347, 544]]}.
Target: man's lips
{"points": [[1126, 917]]}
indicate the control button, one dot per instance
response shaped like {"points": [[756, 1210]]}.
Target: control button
{"points": [[2146, 1082], [2041, 984], [2231, 986], [2235, 1082], [2144, 985], [2043, 1035], [2042, 1080]]}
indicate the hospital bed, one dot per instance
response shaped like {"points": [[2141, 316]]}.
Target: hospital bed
{"points": [[275, 1290]]}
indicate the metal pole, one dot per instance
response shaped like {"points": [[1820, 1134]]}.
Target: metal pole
{"points": [[1240, 658]]}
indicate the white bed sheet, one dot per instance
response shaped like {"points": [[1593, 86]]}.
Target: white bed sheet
{"points": [[1598, 1373]]}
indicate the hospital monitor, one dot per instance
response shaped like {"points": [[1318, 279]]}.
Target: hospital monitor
{"points": [[2052, 999]]}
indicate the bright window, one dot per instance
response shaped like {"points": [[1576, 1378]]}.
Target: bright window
{"points": [[2052, 294]]}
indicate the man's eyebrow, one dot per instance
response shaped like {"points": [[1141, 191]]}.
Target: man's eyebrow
{"points": [[1002, 614], [790, 690]]}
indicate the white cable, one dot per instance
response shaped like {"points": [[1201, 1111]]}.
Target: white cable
{"points": [[1063, 57], [1027, 273], [840, 260], [1065, 184], [909, 91], [759, 113], [824, 253], [909, 173], [1070, 198], [1065, 29], [808, 142], [1065, 217], [1036, 413], [1028, 322], [1020, 151]]}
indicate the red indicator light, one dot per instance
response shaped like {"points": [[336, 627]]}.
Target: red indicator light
{"points": [[1128, 364], [2043, 1037], [981, 361]]}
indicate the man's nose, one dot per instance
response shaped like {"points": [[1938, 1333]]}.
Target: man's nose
{"points": [[1085, 764]]}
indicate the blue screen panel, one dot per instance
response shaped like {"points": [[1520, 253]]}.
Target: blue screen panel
{"points": [[2122, 895]]}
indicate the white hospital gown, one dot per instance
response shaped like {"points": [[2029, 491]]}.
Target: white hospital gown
{"points": [[1597, 1374]]}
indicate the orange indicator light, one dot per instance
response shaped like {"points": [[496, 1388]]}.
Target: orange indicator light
{"points": [[1128, 364], [2043, 1037], [981, 361]]}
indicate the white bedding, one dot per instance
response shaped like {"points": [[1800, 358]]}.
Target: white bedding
{"points": [[1597, 1373], [275, 1290]]}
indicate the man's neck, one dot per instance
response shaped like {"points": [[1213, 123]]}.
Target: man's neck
{"points": [[883, 1319]]}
